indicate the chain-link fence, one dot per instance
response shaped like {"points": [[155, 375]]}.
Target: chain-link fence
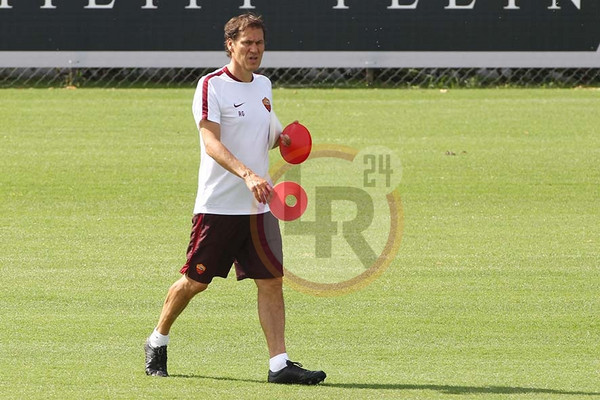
{"points": [[306, 77]]}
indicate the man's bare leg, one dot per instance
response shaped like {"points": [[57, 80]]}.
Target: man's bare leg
{"points": [[271, 313], [178, 297]]}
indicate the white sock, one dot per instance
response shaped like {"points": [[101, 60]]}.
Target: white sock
{"points": [[158, 340], [278, 362]]}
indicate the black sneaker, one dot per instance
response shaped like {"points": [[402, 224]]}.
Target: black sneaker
{"points": [[156, 360], [294, 373]]}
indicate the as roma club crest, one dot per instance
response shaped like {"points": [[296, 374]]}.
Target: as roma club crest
{"points": [[267, 104], [200, 269]]}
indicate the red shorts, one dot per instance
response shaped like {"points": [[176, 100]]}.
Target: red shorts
{"points": [[251, 242]]}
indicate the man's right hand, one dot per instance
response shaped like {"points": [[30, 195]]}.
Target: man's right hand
{"points": [[260, 188]]}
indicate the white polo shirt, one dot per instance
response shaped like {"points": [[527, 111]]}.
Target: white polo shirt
{"points": [[243, 110]]}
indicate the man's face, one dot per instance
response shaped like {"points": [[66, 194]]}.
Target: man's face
{"points": [[247, 50]]}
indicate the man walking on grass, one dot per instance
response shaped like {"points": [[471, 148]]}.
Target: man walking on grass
{"points": [[232, 223]]}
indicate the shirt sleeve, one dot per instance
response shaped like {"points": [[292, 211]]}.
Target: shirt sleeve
{"points": [[275, 129], [206, 104]]}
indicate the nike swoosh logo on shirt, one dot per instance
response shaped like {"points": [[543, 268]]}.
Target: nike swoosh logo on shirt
{"points": [[238, 105]]}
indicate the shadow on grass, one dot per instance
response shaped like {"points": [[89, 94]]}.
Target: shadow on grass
{"points": [[450, 389], [445, 389], [216, 378]]}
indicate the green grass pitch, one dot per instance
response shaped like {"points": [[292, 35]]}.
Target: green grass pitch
{"points": [[493, 293]]}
